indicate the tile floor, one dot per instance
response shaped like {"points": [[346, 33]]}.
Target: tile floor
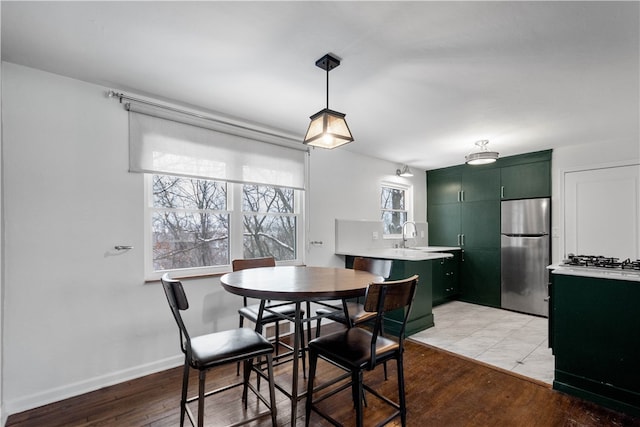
{"points": [[509, 340]]}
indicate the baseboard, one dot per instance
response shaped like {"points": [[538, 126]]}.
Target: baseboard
{"points": [[14, 406]]}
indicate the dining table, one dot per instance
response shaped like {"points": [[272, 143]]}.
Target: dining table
{"points": [[297, 285]]}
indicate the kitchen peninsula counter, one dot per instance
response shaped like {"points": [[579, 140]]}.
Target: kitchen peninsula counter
{"points": [[426, 262], [420, 253]]}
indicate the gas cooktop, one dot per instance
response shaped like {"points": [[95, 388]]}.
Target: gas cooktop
{"points": [[599, 261]]}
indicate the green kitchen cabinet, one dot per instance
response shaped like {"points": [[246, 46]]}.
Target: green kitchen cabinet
{"points": [[526, 181], [480, 224], [445, 186], [595, 339], [480, 276], [463, 209], [470, 221], [480, 184], [446, 278], [462, 184], [421, 316], [444, 224]]}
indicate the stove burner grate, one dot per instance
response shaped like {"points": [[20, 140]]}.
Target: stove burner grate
{"points": [[599, 261]]}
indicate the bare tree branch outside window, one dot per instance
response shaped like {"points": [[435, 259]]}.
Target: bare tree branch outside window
{"points": [[393, 209], [190, 222], [269, 222]]}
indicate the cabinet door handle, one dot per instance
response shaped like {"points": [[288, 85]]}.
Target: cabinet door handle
{"points": [[459, 196], [462, 239], [502, 191], [462, 196]]}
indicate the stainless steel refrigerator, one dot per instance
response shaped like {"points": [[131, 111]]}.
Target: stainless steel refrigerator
{"points": [[525, 253]]}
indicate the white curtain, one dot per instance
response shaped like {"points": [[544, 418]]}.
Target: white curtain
{"points": [[172, 143]]}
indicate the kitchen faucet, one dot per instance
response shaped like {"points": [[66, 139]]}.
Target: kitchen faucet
{"points": [[404, 232]]}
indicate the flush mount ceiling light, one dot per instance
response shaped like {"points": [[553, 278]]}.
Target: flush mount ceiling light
{"points": [[404, 172], [482, 155], [328, 128]]}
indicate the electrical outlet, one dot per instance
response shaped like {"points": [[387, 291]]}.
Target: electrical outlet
{"points": [[375, 235]]}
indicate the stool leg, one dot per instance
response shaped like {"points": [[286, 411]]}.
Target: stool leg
{"points": [[240, 324], [313, 360], [356, 378], [272, 389], [302, 350], [185, 386], [201, 381], [401, 396]]}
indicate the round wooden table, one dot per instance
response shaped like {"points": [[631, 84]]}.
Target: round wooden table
{"points": [[298, 284]]}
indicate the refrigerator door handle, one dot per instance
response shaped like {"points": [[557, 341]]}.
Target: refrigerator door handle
{"points": [[525, 234]]}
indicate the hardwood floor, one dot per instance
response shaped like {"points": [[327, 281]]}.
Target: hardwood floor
{"points": [[443, 389]]}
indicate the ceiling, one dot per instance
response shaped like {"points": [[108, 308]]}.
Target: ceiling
{"points": [[420, 82]]}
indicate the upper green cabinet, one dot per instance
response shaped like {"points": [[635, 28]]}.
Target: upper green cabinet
{"points": [[480, 184], [526, 181], [460, 184], [444, 186]]}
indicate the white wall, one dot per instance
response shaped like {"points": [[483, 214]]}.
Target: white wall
{"points": [[77, 314], [582, 157], [344, 185]]}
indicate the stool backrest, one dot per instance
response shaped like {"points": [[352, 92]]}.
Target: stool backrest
{"points": [[380, 267], [177, 300], [242, 264], [383, 297]]}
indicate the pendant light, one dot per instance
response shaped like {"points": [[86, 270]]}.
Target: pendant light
{"points": [[482, 155], [328, 128]]}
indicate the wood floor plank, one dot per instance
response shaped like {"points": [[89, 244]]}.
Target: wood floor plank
{"points": [[442, 389]]}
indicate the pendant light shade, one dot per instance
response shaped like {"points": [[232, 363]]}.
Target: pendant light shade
{"points": [[328, 128], [482, 155]]}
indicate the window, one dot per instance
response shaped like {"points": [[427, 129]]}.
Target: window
{"points": [[395, 207], [193, 224], [215, 191]]}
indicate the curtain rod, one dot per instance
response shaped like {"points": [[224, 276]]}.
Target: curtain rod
{"points": [[120, 96]]}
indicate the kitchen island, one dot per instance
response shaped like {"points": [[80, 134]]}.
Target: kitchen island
{"points": [[594, 332], [424, 261]]}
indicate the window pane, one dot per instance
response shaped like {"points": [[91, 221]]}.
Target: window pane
{"points": [[392, 198], [188, 193], [258, 198], [188, 240], [186, 230], [392, 221], [270, 235]]}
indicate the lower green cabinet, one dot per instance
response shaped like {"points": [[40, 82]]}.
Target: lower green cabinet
{"points": [[480, 272], [446, 279], [421, 316], [595, 339]]}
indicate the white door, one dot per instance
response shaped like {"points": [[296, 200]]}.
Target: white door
{"points": [[602, 209]]}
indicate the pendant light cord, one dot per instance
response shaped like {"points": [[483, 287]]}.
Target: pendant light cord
{"points": [[327, 87]]}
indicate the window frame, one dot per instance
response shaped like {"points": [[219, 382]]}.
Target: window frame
{"points": [[408, 207], [236, 229]]}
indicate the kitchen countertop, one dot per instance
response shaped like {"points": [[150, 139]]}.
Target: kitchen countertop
{"points": [[419, 253], [601, 273]]}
